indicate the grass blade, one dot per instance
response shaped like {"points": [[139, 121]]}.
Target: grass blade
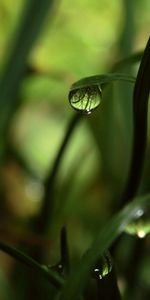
{"points": [[112, 230], [140, 111], [101, 80], [132, 59], [29, 27], [52, 277]]}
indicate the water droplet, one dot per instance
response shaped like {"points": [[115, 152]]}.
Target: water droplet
{"points": [[85, 99], [139, 213], [141, 234], [103, 266], [57, 268], [141, 226]]}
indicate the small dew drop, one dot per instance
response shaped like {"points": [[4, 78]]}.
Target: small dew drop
{"points": [[85, 99], [57, 268], [139, 213], [103, 266]]}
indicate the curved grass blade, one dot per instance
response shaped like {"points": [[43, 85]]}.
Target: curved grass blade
{"points": [[51, 276], [101, 80], [77, 281], [63, 266], [45, 215], [64, 247], [85, 95]]}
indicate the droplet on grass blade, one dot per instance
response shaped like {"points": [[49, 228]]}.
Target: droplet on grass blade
{"points": [[58, 268], [103, 266], [85, 99], [141, 226]]}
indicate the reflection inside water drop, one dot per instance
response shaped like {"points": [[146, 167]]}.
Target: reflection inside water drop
{"points": [[103, 266], [85, 99]]}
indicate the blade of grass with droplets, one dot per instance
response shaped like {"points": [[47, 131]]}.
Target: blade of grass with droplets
{"points": [[77, 281], [29, 26], [101, 80]]}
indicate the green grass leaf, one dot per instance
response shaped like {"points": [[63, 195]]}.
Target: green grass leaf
{"points": [[29, 26], [140, 115], [101, 80], [129, 60], [77, 281], [48, 274]]}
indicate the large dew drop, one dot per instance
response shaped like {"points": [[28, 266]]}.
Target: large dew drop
{"points": [[85, 99]]}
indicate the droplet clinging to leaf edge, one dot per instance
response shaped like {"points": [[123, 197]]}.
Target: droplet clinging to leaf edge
{"points": [[85, 99]]}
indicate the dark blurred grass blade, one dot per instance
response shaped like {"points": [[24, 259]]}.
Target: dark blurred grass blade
{"points": [[104, 239], [64, 249], [6, 291], [125, 47], [22, 257], [112, 128], [29, 26], [44, 219], [140, 111], [43, 222]]}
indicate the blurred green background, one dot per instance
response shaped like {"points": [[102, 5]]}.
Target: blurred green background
{"points": [[78, 39]]}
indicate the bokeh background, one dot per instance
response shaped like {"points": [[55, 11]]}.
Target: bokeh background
{"points": [[78, 39]]}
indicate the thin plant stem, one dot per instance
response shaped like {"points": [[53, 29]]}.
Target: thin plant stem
{"points": [[44, 219], [48, 201], [65, 259], [51, 276]]}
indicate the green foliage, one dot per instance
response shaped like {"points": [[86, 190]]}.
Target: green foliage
{"points": [[100, 244], [69, 184]]}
